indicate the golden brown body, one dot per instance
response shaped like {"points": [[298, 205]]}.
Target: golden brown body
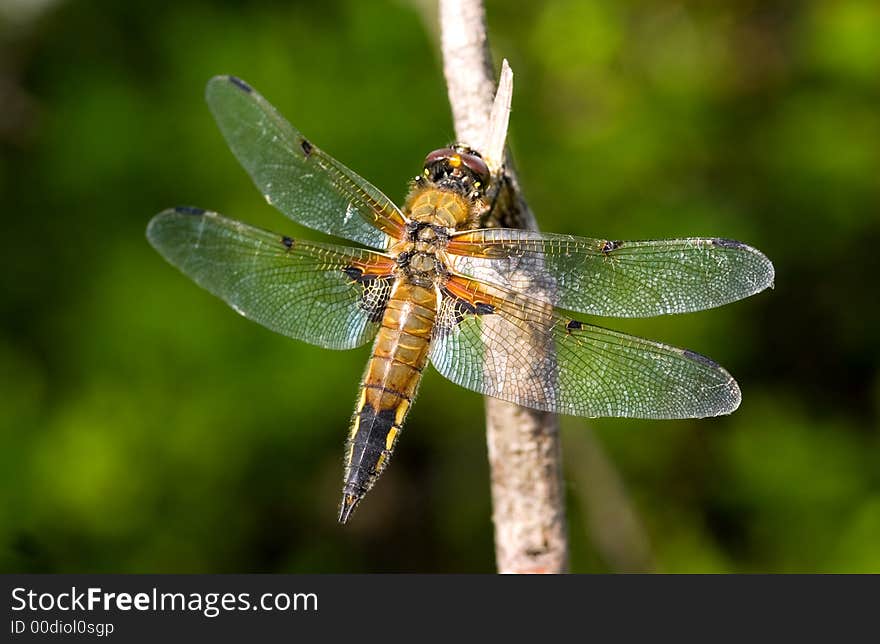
{"points": [[400, 351]]}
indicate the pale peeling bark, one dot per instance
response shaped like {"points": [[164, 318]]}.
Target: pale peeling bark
{"points": [[523, 444]]}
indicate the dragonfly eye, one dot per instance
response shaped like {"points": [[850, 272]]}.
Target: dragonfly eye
{"points": [[442, 154], [476, 165], [455, 160]]}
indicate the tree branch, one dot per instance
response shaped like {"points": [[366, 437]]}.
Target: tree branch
{"points": [[523, 444]]}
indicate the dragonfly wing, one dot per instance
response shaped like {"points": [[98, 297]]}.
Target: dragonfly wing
{"points": [[499, 343], [614, 278], [299, 179], [323, 294]]}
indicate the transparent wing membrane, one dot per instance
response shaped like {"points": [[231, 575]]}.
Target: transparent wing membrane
{"points": [[299, 179], [610, 278], [499, 343], [323, 294]]}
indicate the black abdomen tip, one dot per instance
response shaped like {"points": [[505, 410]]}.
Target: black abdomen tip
{"points": [[241, 84], [347, 507]]}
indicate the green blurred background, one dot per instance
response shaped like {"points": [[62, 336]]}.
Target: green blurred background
{"points": [[144, 427]]}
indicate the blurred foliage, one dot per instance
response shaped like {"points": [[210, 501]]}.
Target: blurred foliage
{"points": [[144, 427]]}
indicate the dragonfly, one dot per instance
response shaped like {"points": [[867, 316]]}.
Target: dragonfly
{"points": [[496, 310]]}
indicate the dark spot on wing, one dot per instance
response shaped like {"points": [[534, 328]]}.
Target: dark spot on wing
{"points": [[189, 210], [728, 243], [240, 84], [699, 357], [376, 292], [287, 241], [461, 307], [608, 246], [574, 325], [306, 147], [355, 274]]}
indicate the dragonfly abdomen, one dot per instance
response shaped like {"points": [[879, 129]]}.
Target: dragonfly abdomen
{"points": [[390, 382]]}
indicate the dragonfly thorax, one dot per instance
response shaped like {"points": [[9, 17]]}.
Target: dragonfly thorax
{"points": [[421, 265], [444, 208], [425, 232]]}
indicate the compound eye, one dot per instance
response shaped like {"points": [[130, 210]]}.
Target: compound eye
{"points": [[439, 155], [476, 165]]}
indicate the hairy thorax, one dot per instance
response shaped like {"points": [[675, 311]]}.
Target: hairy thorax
{"points": [[434, 214]]}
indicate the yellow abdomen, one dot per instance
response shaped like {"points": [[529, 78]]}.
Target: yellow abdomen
{"points": [[392, 377]]}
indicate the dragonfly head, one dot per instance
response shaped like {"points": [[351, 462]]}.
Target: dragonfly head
{"points": [[457, 167]]}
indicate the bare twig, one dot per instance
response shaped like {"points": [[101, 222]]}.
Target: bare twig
{"points": [[524, 449]]}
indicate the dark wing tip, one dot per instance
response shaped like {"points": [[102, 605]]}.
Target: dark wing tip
{"points": [[768, 278], [240, 84], [726, 396], [699, 357], [189, 210], [222, 83], [721, 242]]}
